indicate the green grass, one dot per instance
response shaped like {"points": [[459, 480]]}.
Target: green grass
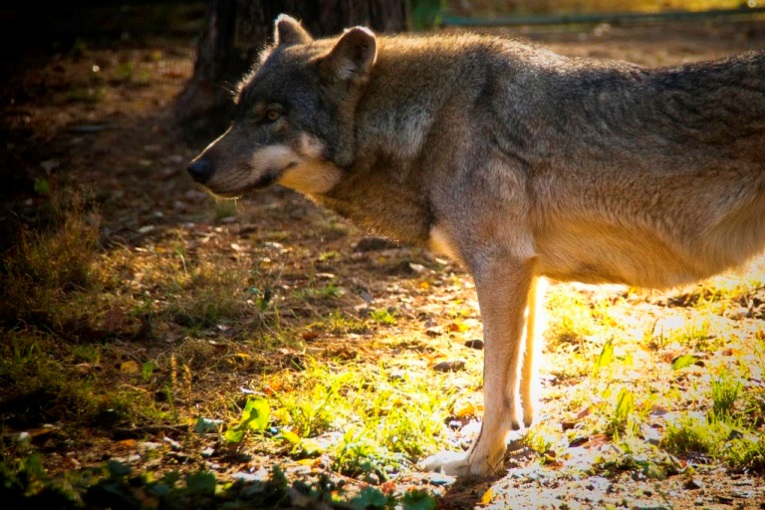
{"points": [[381, 316], [747, 454], [359, 416], [694, 434], [573, 318]]}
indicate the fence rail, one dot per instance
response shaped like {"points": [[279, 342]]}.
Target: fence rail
{"points": [[613, 18]]}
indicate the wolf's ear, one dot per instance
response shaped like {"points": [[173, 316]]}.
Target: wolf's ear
{"points": [[352, 57], [287, 30]]}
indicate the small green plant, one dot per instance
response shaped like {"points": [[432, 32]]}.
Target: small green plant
{"points": [[546, 439], [684, 361], [725, 391], [42, 186], [383, 316], [621, 420], [329, 255], [356, 454], [606, 355], [330, 290], [147, 371], [255, 418]]}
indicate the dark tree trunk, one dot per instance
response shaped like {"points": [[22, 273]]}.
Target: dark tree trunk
{"points": [[236, 30]]}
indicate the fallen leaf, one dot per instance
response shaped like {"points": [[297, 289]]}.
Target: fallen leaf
{"points": [[309, 335], [129, 367], [457, 327], [114, 319], [487, 497], [463, 408]]}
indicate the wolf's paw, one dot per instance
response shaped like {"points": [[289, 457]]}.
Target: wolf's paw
{"points": [[449, 463], [457, 464]]}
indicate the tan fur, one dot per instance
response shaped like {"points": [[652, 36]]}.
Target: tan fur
{"points": [[439, 243], [311, 177], [519, 163]]}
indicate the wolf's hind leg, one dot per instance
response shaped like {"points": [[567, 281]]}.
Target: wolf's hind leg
{"points": [[535, 322]]}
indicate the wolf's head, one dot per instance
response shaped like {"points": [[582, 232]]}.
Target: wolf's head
{"points": [[294, 117]]}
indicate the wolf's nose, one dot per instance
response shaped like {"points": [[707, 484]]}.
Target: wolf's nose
{"points": [[201, 170]]}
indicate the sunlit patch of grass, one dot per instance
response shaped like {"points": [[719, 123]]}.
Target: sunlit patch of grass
{"points": [[704, 379], [725, 391], [357, 454], [729, 294], [637, 456], [746, 454], [570, 316], [753, 396], [695, 434], [339, 322], [730, 431], [359, 415], [313, 408], [546, 439], [575, 325], [620, 410]]}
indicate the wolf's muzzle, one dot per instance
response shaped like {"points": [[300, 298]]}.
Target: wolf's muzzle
{"points": [[201, 170]]}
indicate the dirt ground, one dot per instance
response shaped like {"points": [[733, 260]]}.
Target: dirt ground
{"points": [[104, 116]]}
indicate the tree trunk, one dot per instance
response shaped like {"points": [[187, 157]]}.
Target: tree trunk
{"points": [[236, 30]]}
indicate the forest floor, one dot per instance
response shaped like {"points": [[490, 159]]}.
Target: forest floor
{"points": [[160, 348]]}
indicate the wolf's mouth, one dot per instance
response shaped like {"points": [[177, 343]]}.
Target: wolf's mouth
{"points": [[265, 181], [262, 183]]}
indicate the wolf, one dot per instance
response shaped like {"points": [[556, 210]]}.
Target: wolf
{"points": [[518, 163]]}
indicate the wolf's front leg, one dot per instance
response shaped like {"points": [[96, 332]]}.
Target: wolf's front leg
{"points": [[503, 291]]}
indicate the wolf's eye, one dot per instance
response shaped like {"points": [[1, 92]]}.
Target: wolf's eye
{"points": [[272, 115]]}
